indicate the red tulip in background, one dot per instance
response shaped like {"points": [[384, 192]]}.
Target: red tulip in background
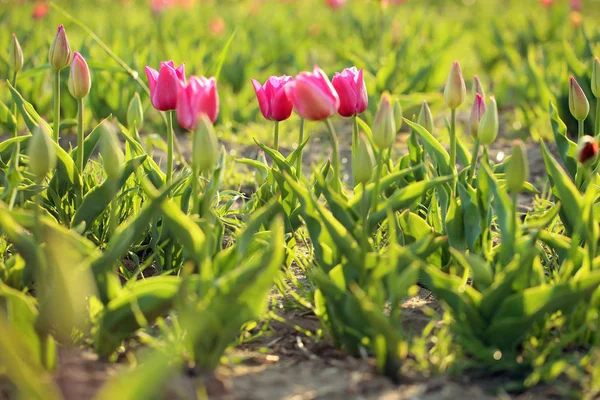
{"points": [[273, 99], [165, 85], [199, 97], [335, 3], [313, 95], [351, 88]]}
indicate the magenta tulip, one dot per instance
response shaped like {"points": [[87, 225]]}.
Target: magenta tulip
{"points": [[199, 97], [165, 85], [273, 99], [335, 3], [350, 86], [313, 95]]}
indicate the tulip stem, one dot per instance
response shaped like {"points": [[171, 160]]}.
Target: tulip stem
{"points": [[354, 134], [56, 131], [515, 205], [335, 147], [300, 140], [169, 146], [378, 171], [580, 129], [276, 135], [80, 135], [365, 214], [453, 138], [474, 157], [195, 190], [17, 150]]}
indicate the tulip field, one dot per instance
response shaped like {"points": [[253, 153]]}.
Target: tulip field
{"points": [[299, 199]]}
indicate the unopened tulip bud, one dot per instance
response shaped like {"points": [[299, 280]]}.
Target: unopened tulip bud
{"points": [[42, 154], [364, 161], [488, 126], [587, 150], [398, 115], [517, 170], [426, 117], [205, 152], [384, 127], [596, 79], [79, 77], [578, 103], [135, 112], [15, 55], [112, 155], [478, 87], [476, 113], [455, 90], [59, 55]]}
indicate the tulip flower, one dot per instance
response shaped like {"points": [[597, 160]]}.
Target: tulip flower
{"points": [[272, 98], [79, 83], [478, 87], [587, 150], [15, 55], [578, 104], [315, 99], [205, 153], [199, 97], [165, 84], [425, 118], [351, 88], [488, 126], [40, 11], [364, 161], [59, 57], [517, 169], [313, 95], [384, 126], [454, 95], [335, 4], [42, 154], [477, 112]]}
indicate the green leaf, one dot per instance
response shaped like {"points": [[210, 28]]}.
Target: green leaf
{"points": [[437, 151], [90, 142], [566, 147], [455, 228], [482, 272]]}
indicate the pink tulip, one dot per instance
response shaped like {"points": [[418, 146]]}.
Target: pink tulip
{"points": [[79, 83], [165, 84], [335, 3], [273, 99], [350, 86], [199, 97], [576, 5], [313, 95]]}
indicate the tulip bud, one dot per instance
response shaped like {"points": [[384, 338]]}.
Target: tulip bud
{"points": [[112, 155], [578, 103], [205, 150], [596, 79], [587, 150], [426, 117], [384, 127], [79, 77], [398, 115], [42, 154], [488, 125], [135, 112], [59, 55], [15, 55], [476, 113], [517, 169], [364, 161], [455, 90], [478, 87]]}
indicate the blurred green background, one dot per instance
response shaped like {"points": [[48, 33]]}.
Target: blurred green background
{"points": [[523, 51]]}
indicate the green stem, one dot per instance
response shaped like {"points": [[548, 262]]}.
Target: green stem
{"points": [[354, 134], [276, 135], [365, 214], [17, 150], [80, 135], [36, 218], [515, 203], [300, 140], [169, 146], [335, 147], [375, 200], [474, 157], [195, 189], [580, 129], [453, 139], [597, 121], [112, 226], [56, 132]]}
